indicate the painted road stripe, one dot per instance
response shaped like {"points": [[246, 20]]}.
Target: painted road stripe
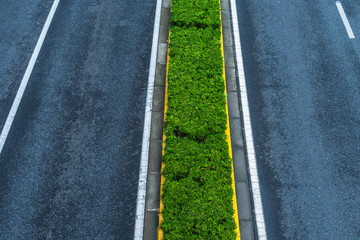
{"points": [[144, 161], [254, 180], [344, 19], [25, 79]]}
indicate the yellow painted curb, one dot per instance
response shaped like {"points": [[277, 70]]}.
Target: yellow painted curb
{"points": [[161, 209], [228, 139]]}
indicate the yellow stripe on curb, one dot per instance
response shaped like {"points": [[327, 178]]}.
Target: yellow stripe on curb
{"points": [[161, 208], [228, 139]]}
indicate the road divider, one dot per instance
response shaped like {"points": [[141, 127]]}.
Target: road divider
{"points": [[197, 184]]}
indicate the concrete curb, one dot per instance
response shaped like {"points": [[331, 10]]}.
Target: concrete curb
{"points": [[236, 132], [245, 213], [151, 221]]}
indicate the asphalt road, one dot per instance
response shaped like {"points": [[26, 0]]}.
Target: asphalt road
{"points": [[303, 78], [69, 168]]}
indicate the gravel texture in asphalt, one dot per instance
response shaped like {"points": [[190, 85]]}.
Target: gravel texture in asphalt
{"points": [[303, 79], [69, 168]]}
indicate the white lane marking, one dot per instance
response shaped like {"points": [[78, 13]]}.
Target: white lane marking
{"points": [[25, 79], [144, 162], [345, 20], [259, 216]]}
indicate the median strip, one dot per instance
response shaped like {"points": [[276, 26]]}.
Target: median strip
{"points": [[198, 185]]}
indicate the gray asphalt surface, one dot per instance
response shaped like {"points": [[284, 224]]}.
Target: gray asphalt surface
{"points": [[20, 27], [303, 77], [69, 168]]}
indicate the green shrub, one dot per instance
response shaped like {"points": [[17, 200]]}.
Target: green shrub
{"points": [[196, 97], [197, 192], [196, 13]]}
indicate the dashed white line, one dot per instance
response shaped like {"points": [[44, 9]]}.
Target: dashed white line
{"points": [[10, 118], [345, 20], [254, 179], [144, 161]]}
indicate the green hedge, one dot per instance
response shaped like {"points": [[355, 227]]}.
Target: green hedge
{"points": [[197, 192], [200, 13]]}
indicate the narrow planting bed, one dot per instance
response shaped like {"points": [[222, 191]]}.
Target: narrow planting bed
{"points": [[197, 193]]}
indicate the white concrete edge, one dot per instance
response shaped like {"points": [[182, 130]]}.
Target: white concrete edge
{"points": [[254, 180], [10, 118], [144, 160], [345, 20]]}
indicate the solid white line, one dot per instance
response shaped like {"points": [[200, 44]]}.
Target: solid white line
{"points": [[144, 162], [25, 79], [345, 20], [254, 180]]}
